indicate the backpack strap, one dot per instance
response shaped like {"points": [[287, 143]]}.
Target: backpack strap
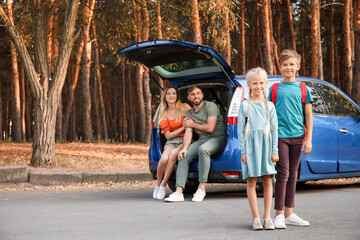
{"points": [[303, 92], [274, 92], [303, 99]]}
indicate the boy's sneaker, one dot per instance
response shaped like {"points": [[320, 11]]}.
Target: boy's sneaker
{"points": [[161, 193], [156, 190], [175, 197], [295, 220], [279, 221], [256, 225], [269, 224], [199, 195]]}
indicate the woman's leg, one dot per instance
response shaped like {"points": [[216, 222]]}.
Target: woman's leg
{"points": [[252, 197], [268, 192], [162, 164], [171, 164]]}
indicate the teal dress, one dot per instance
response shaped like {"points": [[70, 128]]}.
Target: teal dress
{"points": [[258, 147]]}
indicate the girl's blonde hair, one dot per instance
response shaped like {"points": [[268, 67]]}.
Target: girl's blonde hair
{"points": [[165, 106], [249, 76]]}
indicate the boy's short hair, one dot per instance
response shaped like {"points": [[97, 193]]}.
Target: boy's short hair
{"points": [[289, 53], [191, 88]]}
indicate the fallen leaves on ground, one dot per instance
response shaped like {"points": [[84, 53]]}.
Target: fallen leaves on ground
{"points": [[81, 157]]}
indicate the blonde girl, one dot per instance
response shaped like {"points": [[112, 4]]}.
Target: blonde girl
{"points": [[171, 118], [257, 133]]}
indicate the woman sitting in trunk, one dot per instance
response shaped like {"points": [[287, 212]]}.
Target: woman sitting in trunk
{"points": [[171, 119]]}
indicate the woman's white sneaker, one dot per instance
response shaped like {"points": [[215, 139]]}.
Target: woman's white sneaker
{"points": [[155, 192], [279, 221], [295, 220]]}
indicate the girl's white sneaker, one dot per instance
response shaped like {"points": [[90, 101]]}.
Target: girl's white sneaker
{"points": [[269, 224], [256, 225]]}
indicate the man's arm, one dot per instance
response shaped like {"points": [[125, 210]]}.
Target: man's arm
{"points": [[209, 127], [309, 127], [186, 143]]}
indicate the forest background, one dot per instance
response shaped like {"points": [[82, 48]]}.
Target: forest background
{"points": [[62, 81]]}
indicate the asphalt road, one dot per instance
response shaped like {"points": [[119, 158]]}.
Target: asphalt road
{"points": [[333, 213]]}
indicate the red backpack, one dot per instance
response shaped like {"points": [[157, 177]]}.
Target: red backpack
{"points": [[303, 98]]}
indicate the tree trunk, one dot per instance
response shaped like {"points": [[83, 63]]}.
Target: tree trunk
{"points": [[124, 103], [269, 66], [315, 37], [355, 92], [159, 19], [16, 126], [146, 78], [147, 96], [291, 24], [347, 48], [130, 103], [331, 50], [99, 83], [71, 89], [23, 102], [227, 39], [252, 19], [196, 21], [259, 35], [303, 18], [138, 77], [85, 80], [278, 26], [45, 94]]}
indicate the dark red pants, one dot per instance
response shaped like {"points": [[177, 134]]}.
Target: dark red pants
{"points": [[287, 167]]}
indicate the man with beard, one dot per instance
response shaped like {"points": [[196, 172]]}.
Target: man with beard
{"points": [[205, 119]]}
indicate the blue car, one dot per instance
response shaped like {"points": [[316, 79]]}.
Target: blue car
{"points": [[336, 118]]}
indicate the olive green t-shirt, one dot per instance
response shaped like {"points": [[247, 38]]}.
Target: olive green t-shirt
{"points": [[208, 109]]}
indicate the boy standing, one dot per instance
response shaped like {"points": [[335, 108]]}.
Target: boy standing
{"points": [[291, 142]]}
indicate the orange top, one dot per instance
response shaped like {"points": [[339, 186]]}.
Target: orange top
{"points": [[171, 125]]}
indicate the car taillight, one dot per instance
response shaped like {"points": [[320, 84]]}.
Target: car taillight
{"points": [[232, 120], [153, 124], [231, 175]]}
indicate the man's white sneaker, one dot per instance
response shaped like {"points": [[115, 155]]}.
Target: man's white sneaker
{"points": [[256, 225], [161, 193], [295, 220], [269, 224], [175, 197], [279, 221], [199, 195], [155, 192]]}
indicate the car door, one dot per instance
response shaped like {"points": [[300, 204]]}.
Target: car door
{"points": [[324, 155], [346, 116]]}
